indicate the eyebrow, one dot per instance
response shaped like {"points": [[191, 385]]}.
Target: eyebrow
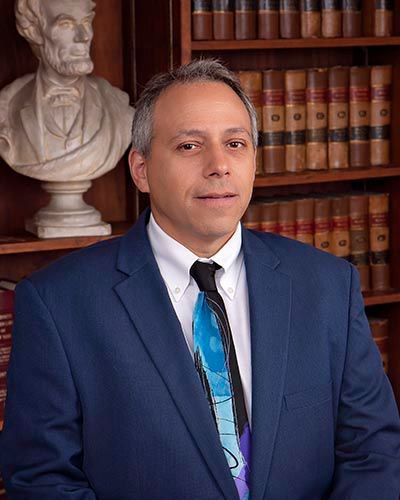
{"points": [[201, 133]]}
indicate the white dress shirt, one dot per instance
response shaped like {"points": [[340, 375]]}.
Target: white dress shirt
{"points": [[174, 262]]}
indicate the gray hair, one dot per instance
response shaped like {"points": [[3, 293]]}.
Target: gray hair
{"points": [[203, 70]]}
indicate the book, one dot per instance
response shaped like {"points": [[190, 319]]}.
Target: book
{"points": [[223, 19], [351, 18], [340, 238], [381, 81], [251, 82], [245, 20], [273, 121], [295, 120], [359, 116], [317, 119], [331, 19], [201, 20], [310, 20], [289, 18], [252, 216], [338, 119], [379, 240], [383, 19], [287, 218], [305, 220], [359, 237], [322, 223], [269, 217], [268, 19], [380, 333]]}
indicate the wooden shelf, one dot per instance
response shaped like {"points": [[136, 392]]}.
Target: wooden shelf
{"points": [[313, 177], [294, 43], [26, 242], [377, 298]]}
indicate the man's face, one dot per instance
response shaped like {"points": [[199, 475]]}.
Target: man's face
{"points": [[67, 34], [200, 171]]}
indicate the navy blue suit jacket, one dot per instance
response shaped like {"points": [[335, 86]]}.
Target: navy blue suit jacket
{"points": [[105, 403]]}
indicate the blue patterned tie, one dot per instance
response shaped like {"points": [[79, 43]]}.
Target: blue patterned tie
{"points": [[216, 363]]}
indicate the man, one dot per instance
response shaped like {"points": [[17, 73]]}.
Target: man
{"points": [[113, 395], [60, 124]]}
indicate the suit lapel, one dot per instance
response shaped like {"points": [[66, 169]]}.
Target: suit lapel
{"points": [[270, 308], [146, 300]]}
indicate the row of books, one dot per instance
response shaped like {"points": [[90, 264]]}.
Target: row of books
{"points": [[354, 226], [380, 333], [320, 118], [271, 19]]}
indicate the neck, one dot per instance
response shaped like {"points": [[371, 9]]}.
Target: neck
{"points": [[53, 78]]}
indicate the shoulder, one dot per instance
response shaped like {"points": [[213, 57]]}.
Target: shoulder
{"points": [[18, 89], [108, 91]]}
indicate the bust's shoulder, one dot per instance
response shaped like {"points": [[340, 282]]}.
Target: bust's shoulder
{"points": [[18, 86], [108, 91]]}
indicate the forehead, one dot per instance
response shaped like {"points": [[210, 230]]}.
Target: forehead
{"points": [[204, 103], [74, 8]]}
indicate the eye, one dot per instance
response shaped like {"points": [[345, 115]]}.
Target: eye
{"points": [[188, 146], [236, 144], [65, 23]]}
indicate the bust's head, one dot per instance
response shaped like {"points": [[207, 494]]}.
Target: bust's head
{"points": [[59, 32]]}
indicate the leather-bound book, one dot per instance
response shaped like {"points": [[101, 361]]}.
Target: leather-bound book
{"points": [[379, 240], [383, 21], [269, 217], [287, 218], [289, 18], [295, 120], [310, 18], [379, 132], [338, 134], [331, 18], [351, 18], [268, 19], [305, 220], [223, 19], [322, 223], [251, 82], [359, 116], [273, 120], [340, 243], [317, 119], [380, 333], [251, 218], [245, 19], [202, 20], [359, 237]]}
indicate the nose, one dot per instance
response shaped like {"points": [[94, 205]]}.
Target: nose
{"points": [[82, 34], [217, 161]]}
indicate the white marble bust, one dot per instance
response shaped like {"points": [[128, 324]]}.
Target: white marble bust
{"points": [[60, 124]]}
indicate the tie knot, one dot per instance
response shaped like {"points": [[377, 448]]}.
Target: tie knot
{"points": [[204, 275]]}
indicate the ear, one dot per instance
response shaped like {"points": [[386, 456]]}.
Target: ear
{"points": [[138, 168]]}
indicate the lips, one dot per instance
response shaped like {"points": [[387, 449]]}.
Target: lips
{"points": [[216, 196]]}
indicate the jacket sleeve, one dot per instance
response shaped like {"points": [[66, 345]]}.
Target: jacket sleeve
{"points": [[41, 444], [367, 447]]}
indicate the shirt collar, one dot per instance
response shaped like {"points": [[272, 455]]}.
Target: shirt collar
{"points": [[175, 260]]}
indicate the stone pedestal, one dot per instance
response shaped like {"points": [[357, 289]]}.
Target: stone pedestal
{"points": [[67, 214]]}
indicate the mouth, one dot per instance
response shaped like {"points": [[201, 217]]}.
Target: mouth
{"points": [[217, 200], [216, 196]]}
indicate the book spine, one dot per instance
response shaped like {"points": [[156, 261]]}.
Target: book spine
{"points": [[289, 18], [383, 21], [252, 216], [305, 220], [351, 18], [287, 218], [269, 217], [340, 226], [379, 240], [223, 19], [381, 90], [268, 19], [245, 20], [295, 120], [251, 82], [273, 120], [322, 223], [201, 20], [331, 19], [380, 333], [359, 116], [310, 18], [359, 237], [317, 119], [338, 135]]}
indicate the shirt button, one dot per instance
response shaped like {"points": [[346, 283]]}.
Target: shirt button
{"points": [[230, 290], [177, 289]]}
